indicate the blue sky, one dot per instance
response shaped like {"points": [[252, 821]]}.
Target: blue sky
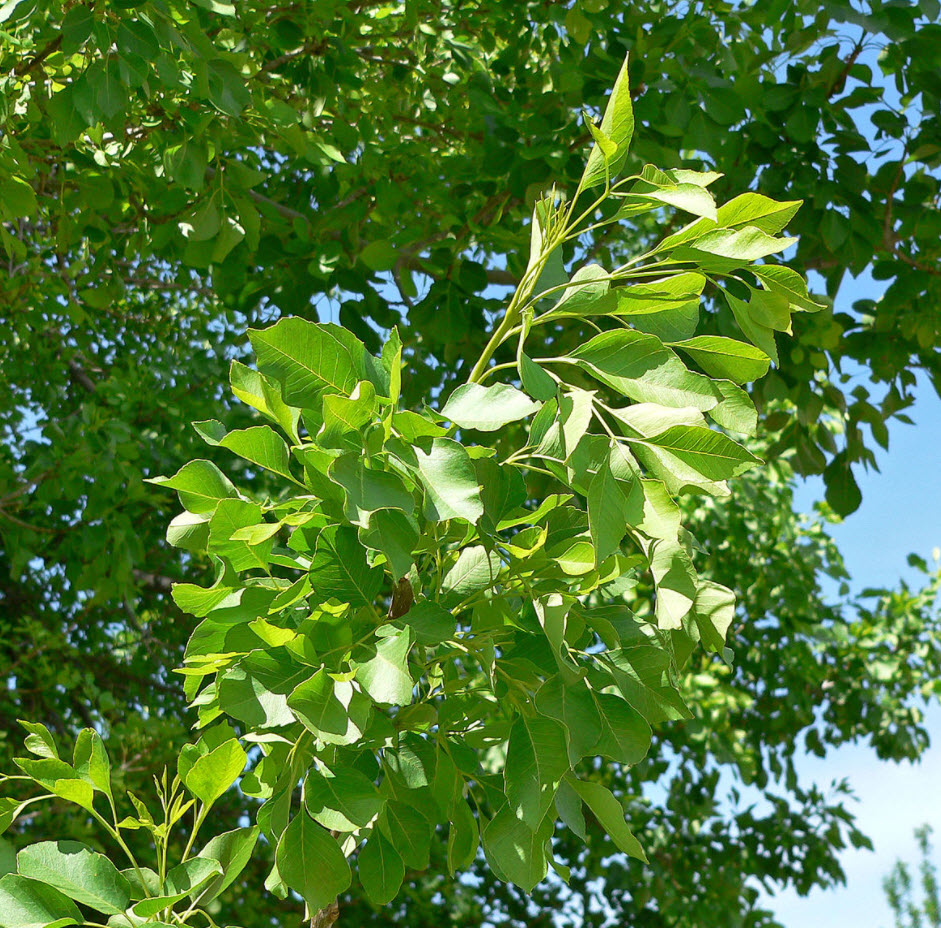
{"points": [[900, 514]]}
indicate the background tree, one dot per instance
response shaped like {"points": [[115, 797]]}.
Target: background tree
{"points": [[173, 173], [900, 888]]}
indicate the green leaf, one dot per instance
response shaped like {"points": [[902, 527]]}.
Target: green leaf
{"points": [[625, 736], [536, 759], [39, 740], [450, 481], [726, 358], [395, 535], [186, 879], [463, 837], [753, 209], [228, 89], [514, 850], [76, 28], [333, 710], [78, 872], [310, 862], [640, 367], [231, 850], [386, 677], [610, 815], [91, 762], [213, 773], [571, 704], [231, 517], [736, 412], [842, 493], [691, 198], [430, 623], [722, 251], [369, 489], [381, 869], [588, 293], [757, 333], [788, 283], [259, 445], [344, 418], [536, 382], [475, 569], [617, 124], [200, 485], [339, 570], [257, 391], [472, 406], [255, 690], [310, 359], [17, 198], [409, 832], [608, 514], [703, 450], [26, 903], [714, 612], [344, 801]]}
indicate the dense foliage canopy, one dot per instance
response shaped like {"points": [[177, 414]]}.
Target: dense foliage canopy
{"points": [[174, 173]]}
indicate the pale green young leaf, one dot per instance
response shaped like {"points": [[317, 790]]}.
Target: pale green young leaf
{"points": [[617, 124], [26, 903], [472, 406], [78, 872], [726, 358], [310, 861], [230, 516]]}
